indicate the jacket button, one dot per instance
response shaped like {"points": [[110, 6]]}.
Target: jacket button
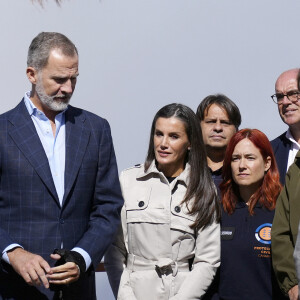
{"points": [[141, 203], [61, 221], [177, 209]]}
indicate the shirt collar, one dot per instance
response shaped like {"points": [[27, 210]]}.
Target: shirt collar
{"points": [[289, 136], [241, 204], [29, 105]]}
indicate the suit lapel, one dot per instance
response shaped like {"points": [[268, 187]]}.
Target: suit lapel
{"points": [[77, 137], [27, 140], [282, 156]]}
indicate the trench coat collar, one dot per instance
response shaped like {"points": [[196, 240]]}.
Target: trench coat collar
{"points": [[184, 176]]}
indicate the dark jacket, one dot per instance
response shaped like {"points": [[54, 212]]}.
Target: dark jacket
{"points": [[281, 147], [30, 212], [285, 228], [246, 268]]}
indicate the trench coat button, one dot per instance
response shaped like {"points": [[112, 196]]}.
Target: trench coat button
{"points": [[141, 203], [177, 209]]}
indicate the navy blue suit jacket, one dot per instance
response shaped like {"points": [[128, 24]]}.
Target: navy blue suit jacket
{"points": [[281, 147], [30, 212]]}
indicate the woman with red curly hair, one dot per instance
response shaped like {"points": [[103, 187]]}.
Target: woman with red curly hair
{"points": [[249, 191]]}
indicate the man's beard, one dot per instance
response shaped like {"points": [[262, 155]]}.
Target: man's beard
{"points": [[52, 102]]}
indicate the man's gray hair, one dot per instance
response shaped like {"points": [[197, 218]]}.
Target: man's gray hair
{"points": [[41, 46]]}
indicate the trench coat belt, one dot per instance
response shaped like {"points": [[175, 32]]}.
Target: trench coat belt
{"points": [[164, 265]]}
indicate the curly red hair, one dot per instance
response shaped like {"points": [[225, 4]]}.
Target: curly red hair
{"points": [[268, 192]]}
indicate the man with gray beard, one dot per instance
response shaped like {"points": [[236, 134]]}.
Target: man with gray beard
{"points": [[57, 102], [60, 197]]}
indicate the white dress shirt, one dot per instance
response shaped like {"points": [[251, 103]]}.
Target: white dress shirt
{"points": [[295, 147]]}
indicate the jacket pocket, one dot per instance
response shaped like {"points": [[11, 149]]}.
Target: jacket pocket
{"points": [[141, 208], [181, 219]]}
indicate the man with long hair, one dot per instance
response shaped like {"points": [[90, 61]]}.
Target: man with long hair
{"points": [[220, 119]]}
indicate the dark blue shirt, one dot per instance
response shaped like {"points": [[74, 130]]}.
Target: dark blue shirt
{"points": [[246, 267], [217, 177]]}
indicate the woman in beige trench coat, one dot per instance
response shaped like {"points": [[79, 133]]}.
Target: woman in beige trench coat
{"points": [[169, 243]]}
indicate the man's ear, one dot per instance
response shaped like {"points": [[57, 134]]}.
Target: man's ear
{"points": [[32, 74]]}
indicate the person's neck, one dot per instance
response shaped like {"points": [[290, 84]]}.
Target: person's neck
{"points": [[247, 192], [172, 170], [215, 159]]}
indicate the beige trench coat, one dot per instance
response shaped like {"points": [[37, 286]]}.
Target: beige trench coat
{"points": [[158, 243]]}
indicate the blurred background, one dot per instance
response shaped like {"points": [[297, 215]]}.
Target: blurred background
{"points": [[137, 55]]}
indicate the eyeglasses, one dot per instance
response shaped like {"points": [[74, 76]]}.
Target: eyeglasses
{"points": [[293, 96]]}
